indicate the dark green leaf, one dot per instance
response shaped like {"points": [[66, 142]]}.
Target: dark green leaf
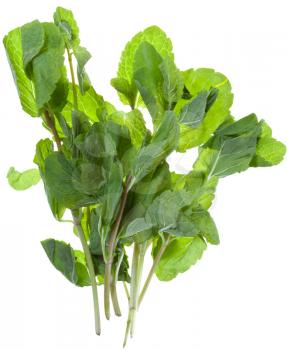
{"points": [[69, 262], [197, 81], [163, 142], [33, 38]]}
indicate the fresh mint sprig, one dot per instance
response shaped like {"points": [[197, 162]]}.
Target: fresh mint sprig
{"points": [[106, 170]]}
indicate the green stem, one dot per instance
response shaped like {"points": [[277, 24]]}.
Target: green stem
{"points": [[111, 248], [49, 118], [133, 291], [90, 265], [156, 260], [126, 290], [114, 293], [142, 251], [75, 96]]}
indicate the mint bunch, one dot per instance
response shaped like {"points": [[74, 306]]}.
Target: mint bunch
{"points": [[107, 170]]}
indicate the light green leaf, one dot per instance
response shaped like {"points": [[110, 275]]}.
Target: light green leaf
{"points": [[196, 81], [82, 56], [88, 103], [23, 181], [13, 46], [269, 151], [179, 256], [135, 123], [65, 20], [128, 90], [154, 36]]}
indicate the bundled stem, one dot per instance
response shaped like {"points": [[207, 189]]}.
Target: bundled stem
{"points": [[111, 248], [160, 253], [133, 291], [90, 265], [114, 293]]}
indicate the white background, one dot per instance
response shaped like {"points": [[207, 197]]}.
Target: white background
{"points": [[235, 297]]}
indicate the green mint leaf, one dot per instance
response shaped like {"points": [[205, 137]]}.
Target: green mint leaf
{"points": [[154, 36], [195, 223], [163, 142], [128, 90], [69, 262], [33, 39], [13, 45], [164, 210], [44, 148], [179, 256], [197, 81], [172, 82], [82, 56], [48, 66], [149, 79], [23, 180], [192, 113], [269, 151], [65, 20], [136, 226], [233, 147], [89, 104], [135, 123], [66, 183]]}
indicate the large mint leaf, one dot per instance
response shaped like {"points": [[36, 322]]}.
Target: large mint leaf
{"points": [[69, 262], [233, 147], [179, 256], [154, 36], [48, 66], [149, 79], [72, 186], [197, 81], [13, 46], [33, 39]]}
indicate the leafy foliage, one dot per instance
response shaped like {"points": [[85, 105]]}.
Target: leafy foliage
{"points": [[112, 172]]}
